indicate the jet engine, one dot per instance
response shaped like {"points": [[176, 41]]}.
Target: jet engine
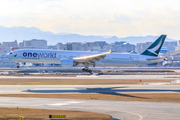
{"points": [[67, 63]]}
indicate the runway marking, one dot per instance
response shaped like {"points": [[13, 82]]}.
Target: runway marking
{"points": [[126, 112], [66, 103], [60, 104], [86, 76], [136, 115]]}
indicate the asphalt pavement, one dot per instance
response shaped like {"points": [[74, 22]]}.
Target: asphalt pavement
{"points": [[75, 89], [94, 76], [119, 110]]}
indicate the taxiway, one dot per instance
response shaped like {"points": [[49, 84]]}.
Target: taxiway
{"points": [[99, 89], [119, 110]]}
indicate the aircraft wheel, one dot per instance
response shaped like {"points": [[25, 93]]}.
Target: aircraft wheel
{"points": [[90, 71], [84, 70]]}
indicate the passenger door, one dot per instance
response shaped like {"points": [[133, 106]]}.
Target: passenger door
{"points": [[136, 59], [108, 58]]}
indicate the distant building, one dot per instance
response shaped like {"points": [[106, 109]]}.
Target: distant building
{"points": [[33, 44], [170, 46], [106, 48], [178, 45], [14, 48], [119, 43], [61, 46], [52, 47], [140, 47], [75, 46], [175, 55], [101, 43], [123, 47], [21, 45], [91, 46], [4, 51], [163, 50], [10, 44]]}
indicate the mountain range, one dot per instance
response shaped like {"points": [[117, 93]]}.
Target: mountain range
{"points": [[23, 33]]}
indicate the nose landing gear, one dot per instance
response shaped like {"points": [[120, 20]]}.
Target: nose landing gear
{"points": [[17, 65]]}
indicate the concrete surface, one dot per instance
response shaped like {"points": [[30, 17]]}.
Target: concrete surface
{"points": [[153, 77], [103, 89], [120, 110]]}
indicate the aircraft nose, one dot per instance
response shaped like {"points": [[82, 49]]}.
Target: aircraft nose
{"points": [[8, 55]]}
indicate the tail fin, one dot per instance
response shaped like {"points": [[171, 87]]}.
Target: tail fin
{"points": [[155, 47]]}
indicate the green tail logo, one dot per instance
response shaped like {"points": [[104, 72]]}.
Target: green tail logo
{"points": [[155, 47], [15, 55]]}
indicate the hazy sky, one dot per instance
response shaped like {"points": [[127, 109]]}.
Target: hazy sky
{"points": [[95, 17]]}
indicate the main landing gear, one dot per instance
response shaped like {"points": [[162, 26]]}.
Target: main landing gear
{"points": [[87, 70]]}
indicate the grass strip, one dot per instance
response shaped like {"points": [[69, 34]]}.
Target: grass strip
{"points": [[34, 81], [41, 114]]}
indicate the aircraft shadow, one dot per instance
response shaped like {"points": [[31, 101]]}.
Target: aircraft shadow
{"points": [[110, 91], [115, 119]]}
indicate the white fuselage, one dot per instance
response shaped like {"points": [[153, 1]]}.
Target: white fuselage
{"points": [[55, 56]]}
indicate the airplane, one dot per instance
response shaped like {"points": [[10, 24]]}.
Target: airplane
{"points": [[69, 59]]}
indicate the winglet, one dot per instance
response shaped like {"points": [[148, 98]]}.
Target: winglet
{"points": [[155, 47], [112, 51]]}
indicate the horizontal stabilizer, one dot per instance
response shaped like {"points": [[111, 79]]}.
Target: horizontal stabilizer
{"points": [[156, 58]]}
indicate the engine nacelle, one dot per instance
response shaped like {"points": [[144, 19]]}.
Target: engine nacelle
{"points": [[67, 63]]}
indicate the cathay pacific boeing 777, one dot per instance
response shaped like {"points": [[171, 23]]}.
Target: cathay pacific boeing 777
{"points": [[74, 58]]}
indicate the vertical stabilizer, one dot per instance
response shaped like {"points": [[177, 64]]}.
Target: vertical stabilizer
{"points": [[155, 47]]}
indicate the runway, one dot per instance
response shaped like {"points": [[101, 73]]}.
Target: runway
{"points": [[121, 110], [100, 89], [94, 76]]}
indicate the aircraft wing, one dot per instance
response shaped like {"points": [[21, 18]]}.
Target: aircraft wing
{"points": [[91, 58], [156, 59]]}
